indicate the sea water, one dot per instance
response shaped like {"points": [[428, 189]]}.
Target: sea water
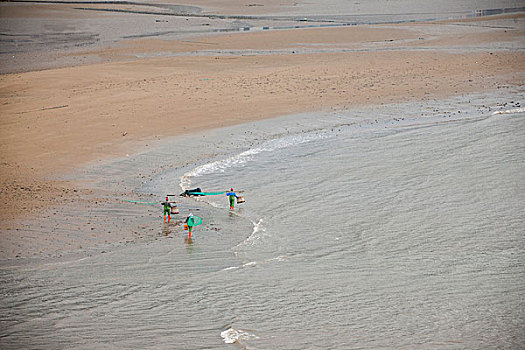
{"points": [[395, 226]]}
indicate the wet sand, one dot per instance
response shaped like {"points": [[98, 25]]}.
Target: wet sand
{"points": [[147, 90]]}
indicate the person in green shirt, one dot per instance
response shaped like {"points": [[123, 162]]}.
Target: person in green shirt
{"points": [[232, 195], [167, 209]]}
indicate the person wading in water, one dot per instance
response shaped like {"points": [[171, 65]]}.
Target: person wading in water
{"points": [[232, 195]]}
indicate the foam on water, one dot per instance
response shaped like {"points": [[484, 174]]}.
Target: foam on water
{"points": [[257, 234], [242, 158], [232, 335], [279, 258], [278, 142], [510, 111]]}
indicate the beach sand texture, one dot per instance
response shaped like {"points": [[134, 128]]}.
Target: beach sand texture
{"points": [[379, 145], [146, 89]]}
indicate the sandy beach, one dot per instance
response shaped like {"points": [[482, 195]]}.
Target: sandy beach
{"points": [[378, 146], [146, 89]]}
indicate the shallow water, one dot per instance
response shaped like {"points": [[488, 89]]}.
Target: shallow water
{"points": [[399, 226], [388, 235]]}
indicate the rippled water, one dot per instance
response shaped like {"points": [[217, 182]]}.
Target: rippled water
{"points": [[397, 226]]}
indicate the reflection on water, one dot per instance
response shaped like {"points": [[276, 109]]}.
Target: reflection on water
{"points": [[189, 244], [166, 230]]}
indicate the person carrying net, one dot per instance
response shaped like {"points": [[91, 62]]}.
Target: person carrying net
{"points": [[167, 209], [232, 195]]}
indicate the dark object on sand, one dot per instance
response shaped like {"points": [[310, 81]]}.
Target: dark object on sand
{"points": [[189, 193]]}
